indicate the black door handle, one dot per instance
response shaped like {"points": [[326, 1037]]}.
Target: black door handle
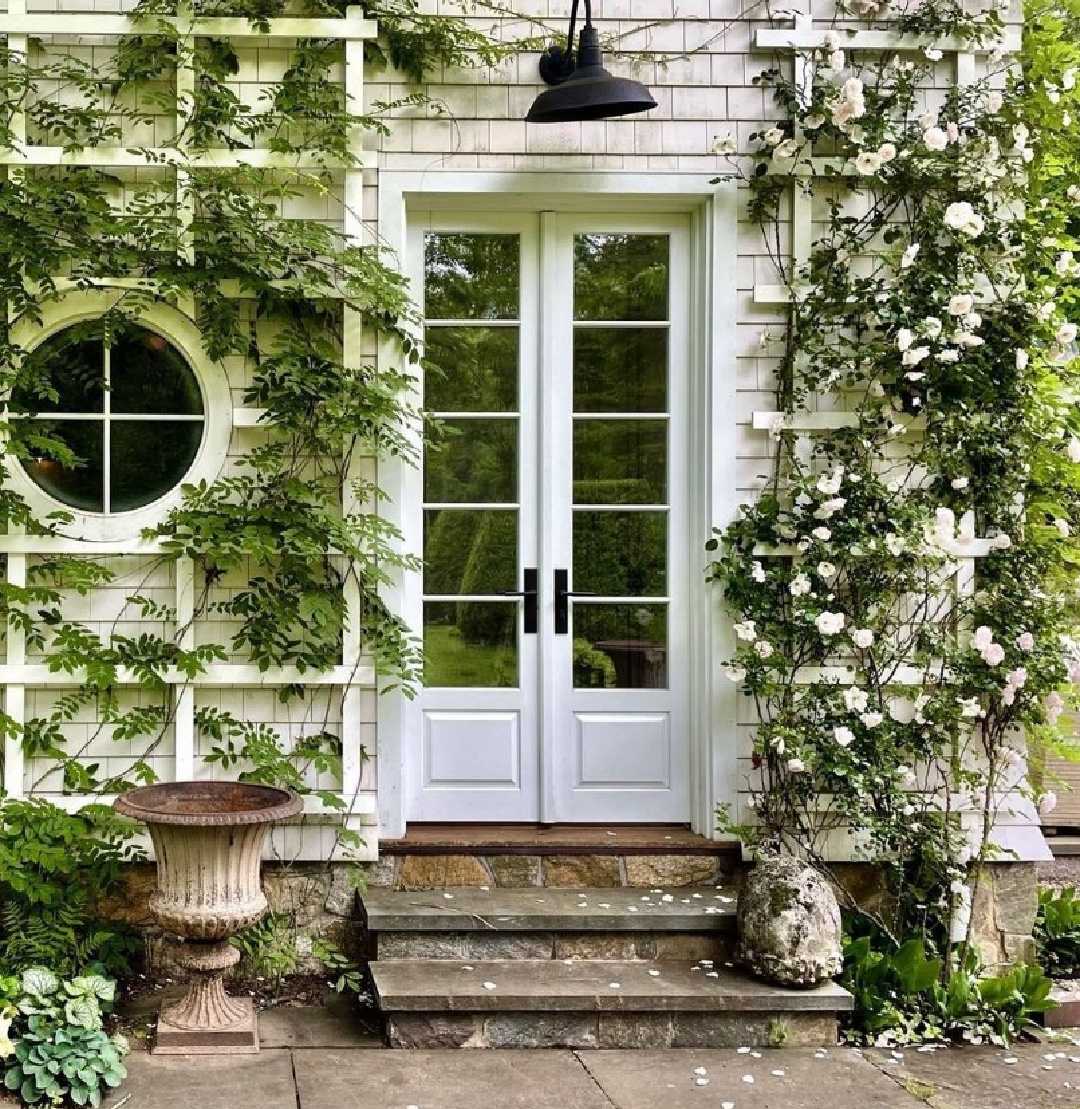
{"points": [[529, 595], [563, 593]]}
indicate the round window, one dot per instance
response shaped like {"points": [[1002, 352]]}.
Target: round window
{"points": [[128, 409]]}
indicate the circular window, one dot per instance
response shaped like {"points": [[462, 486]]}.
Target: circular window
{"points": [[126, 414]]}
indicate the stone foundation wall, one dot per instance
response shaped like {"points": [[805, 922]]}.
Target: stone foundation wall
{"points": [[1003, 911], [322, 901]]}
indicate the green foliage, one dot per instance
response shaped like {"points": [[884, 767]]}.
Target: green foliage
{"points": [[55, 867], [346, 975], [902, 995], [58, 1051], [592, 668], [268, 948], [1057, 932]]}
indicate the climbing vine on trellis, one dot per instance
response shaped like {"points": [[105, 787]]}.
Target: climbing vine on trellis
{"points": [[297, 519], [904, 584]]}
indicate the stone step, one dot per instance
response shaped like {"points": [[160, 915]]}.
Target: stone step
{"points": [[595, 1003], [536, 923]]}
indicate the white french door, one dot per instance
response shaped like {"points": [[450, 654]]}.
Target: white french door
{"points": [[556, 579]]}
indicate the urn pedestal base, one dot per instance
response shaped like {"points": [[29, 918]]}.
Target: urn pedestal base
{"points": [[241, 1038]]}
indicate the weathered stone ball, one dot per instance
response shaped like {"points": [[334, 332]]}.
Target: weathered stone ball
{"points": [[789, 924]]}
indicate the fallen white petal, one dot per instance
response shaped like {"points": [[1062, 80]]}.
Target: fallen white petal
{"points": [[779, 1073], [701, 1082], [614, 986], [748, 1078], [489, 985], [654, 973], [700, 1070]]}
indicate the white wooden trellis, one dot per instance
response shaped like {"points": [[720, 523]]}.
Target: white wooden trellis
{"points": [[802, 38], [354, 674]]}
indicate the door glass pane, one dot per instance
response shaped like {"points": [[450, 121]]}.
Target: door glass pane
{"points": [[624, 646], [621, 554], [471, 369], [620, 461], [83, 484], [471, 277], [470, 643], [469, 552], [620, 370], [620, 277], [474, 461]]}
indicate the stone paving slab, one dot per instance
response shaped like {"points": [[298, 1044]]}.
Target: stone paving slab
{"points": [[990, 1078], [689, 909], [445, 1080], [263, 1081], [435, 985], [790, 1078], [332, 1025]]}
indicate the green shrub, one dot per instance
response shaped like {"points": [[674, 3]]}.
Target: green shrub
{"points": [[902, 995], [55, 867], [58, 1050], [1057, 932]]}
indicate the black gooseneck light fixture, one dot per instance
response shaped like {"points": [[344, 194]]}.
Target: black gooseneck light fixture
{"points": [[583, 87]]}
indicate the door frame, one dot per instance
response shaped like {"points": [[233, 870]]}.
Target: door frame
{"points": [[712, 494]]}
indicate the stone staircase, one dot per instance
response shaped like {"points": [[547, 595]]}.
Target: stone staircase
{"points": [[538, 966]]}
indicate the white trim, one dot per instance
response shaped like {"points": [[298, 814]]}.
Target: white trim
{"points": [[713, 498], [185, 336]]}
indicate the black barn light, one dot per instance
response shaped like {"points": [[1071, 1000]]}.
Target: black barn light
{"points": [[583, 87]]}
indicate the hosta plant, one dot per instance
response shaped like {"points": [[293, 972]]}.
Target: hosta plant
{"points": [[58, 1051]]}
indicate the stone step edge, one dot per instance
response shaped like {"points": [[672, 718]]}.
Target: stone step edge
{"points": [[390, 911], [548, 988]]}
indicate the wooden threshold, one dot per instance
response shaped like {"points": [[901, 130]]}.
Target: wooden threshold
{"points": [[554, 839]]}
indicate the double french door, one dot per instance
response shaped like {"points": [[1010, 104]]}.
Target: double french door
{"points": [[556, 572]]}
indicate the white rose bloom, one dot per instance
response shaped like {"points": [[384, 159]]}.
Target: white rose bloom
{"points": [[830, 623], [961, 304], [908, 256], [971, 709], [894, 544], [735, 673], [757, 572], [1066, 334], [928, 120], [862, 637], [787, 149], [827, 509], [935, 139], [796, 766], [746, 631], [960, 216], [982, 638], [949, 355], [915, 355], [904, 338], [836, 61], [868, 163], [887, 152], [826, 570], [822, 534], [813, 121], [843, 736], [830, 485], [993, 654], [902, 710], [994, 101], [1074, 449], [1022, 359], [1062, 527], [763, 648], [1020, 135], [871, 719], [1068, 80], [725, 144], [799, 586], [773, 136], [959, 483], [855, 699], [1047, 803], [933, 54], [931, 327]]}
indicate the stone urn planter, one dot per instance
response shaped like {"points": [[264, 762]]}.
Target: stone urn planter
{"points": [[789, 924], [208, 839]]}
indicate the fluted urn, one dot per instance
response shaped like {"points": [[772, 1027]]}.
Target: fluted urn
{"points": [[208, 838]]}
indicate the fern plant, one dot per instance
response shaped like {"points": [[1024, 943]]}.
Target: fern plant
{"points": [[55, 869]]}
